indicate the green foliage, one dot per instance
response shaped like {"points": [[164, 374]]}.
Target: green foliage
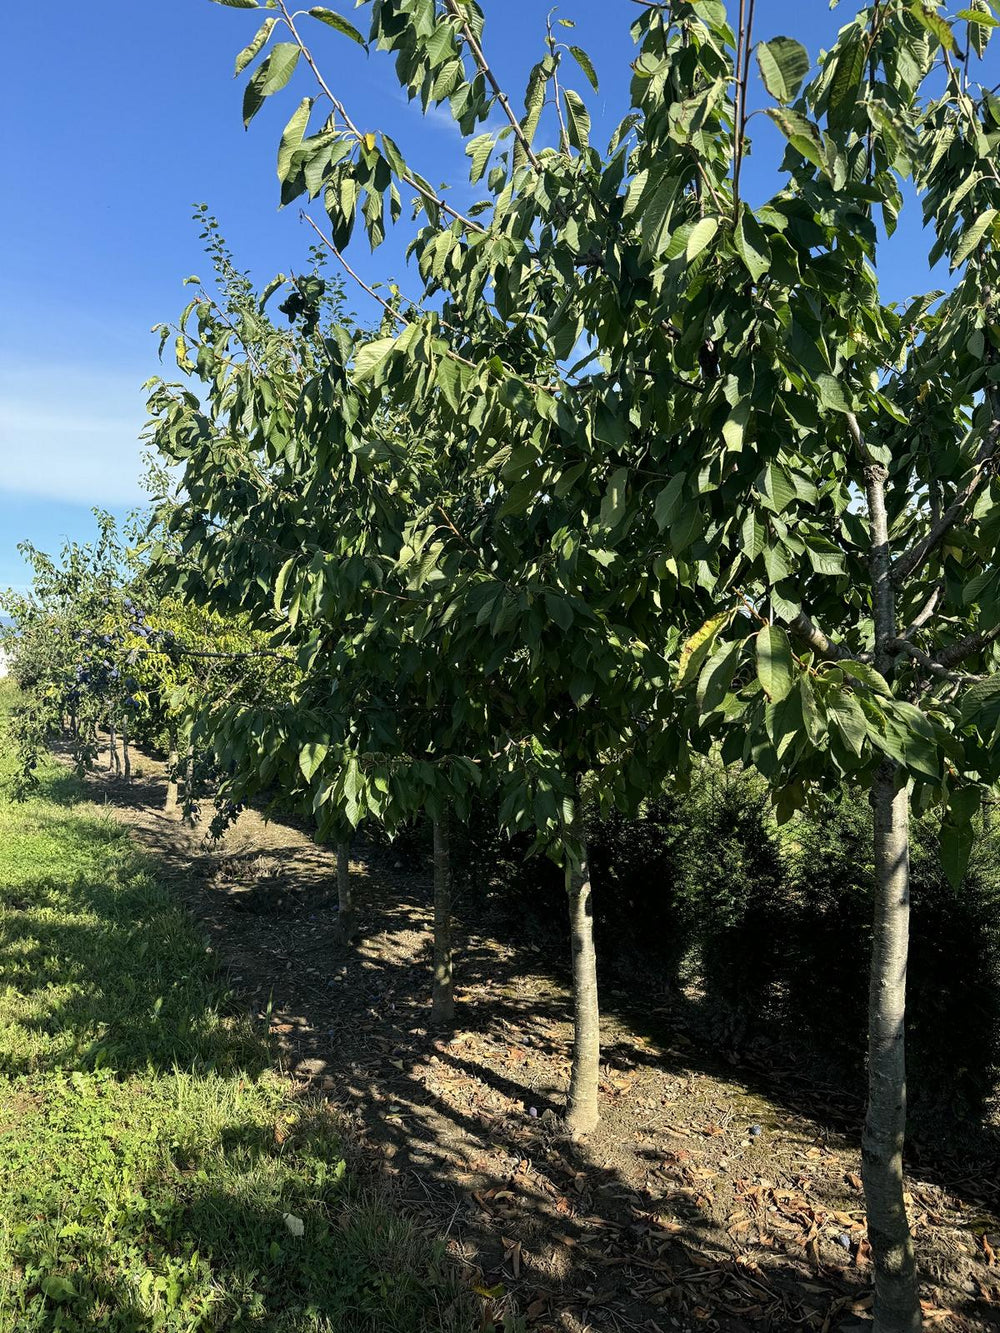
{"points": [[550, 511]]}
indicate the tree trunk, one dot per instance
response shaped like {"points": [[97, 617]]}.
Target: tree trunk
{"points": [[443, 1005], [345, 898], [126, 757], [114, 763], [897, 1303], [188, 814], [897, 1294], [582, 1112], [170, 803]]}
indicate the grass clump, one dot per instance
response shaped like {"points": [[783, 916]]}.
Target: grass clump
{"points": [[156, 1174]]}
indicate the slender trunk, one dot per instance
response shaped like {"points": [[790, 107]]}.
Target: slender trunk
{"points": [[188, 811], [582, 1112], [345, 897], [173, 760], [897, 1293], [126, 757], [443, 1005], [897, 1307], [114, 763]]}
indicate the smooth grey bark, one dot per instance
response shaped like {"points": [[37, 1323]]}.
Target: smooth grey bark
{"points": [[346, 918], [582, 1112], [897, 1293], [897, 1301], [443, 1004]]}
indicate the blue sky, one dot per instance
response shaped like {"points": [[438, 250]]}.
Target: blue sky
{"points": [[122, 118]]}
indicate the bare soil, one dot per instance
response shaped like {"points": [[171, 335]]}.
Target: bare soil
{"points": [[713, 1195]]}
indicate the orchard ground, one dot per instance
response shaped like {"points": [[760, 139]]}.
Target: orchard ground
{"points": [[712, 1196]]}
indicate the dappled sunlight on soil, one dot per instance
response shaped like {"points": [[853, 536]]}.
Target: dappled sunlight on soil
{"points": [[706, 1199]]}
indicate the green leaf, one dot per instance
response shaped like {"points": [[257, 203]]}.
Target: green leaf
{"points": [[956, 842], [291, 138], [311, 757], [578, 119], [752, 246], [251, 52], [238, 4], [935, 23], [779, 486], [717, 675], [334, 20], [270, 77], [824, 556], [844, 711], [58, 1288], [774, 662], [831, 394], [784, 63], [800, 132], [981, 23], [975, 699], [701, 236], [559, 610], [866, 675], [753, 534], [699, 646], [613, 504], [368, 358], [279, 587], [846, 78], [668, 502], [973, 235], [584, 61]]}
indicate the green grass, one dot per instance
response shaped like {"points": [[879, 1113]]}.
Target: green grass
{"points": [[148, 1154]]}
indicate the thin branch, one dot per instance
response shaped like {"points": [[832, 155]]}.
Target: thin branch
{"points": [[897, 646], [967, 647], [422, 188], [810, 633], [556, 92], [925, 612], [477, 51], [744, 48], [910, 561]]}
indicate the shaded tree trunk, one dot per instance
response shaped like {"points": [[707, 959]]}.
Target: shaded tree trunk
{"points": [[443, 1004], [126, 756], [897, 1295], [187, 813], [346, 917], [582, 1112], [173, 760], [114, 762]]}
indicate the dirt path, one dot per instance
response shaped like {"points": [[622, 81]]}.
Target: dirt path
{"points": [[699, 1204]]}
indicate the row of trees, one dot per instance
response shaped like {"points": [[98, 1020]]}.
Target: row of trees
{"points": [[640, 473]]}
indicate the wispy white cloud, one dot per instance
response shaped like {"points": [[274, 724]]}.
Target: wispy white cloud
{"points": [[70, 433]]}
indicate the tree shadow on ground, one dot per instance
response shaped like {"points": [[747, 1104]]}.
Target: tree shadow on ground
{"points": [[642, 1226]]}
